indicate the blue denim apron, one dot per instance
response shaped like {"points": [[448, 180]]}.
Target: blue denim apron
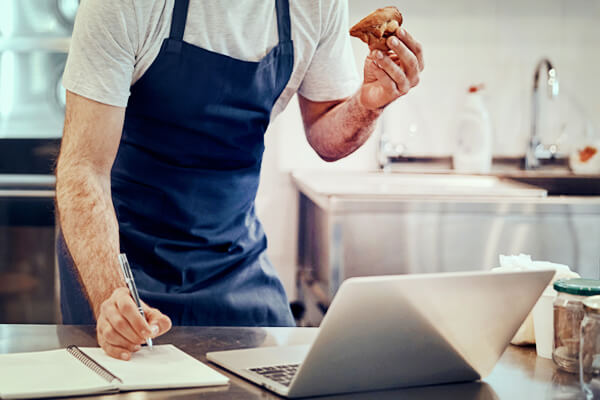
{"points": [[184, 182]]}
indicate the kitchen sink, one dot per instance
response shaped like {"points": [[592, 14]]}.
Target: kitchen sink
{"points": [[553, 175], [570, 185]]}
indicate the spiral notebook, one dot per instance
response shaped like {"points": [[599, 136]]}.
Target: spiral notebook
{"points": [[88, 370]]}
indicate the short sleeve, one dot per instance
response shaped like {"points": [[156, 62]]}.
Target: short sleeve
{"points": [[102, 53], [332, 73]]}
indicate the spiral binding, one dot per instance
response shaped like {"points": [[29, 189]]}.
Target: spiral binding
{"points": [[91, 364]]}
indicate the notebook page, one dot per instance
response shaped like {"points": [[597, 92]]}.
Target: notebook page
{"points": [[47, 374], [165, 366]]}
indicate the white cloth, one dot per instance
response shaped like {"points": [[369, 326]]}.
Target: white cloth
{"points": [[523, 262], [115, 41]]}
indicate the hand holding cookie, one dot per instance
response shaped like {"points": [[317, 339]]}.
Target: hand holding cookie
{"points": [[396, 59], [377, 27]]}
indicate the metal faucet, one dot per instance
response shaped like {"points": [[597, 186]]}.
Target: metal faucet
{"points": [[388, 147], [535, 149], [386, 150]]}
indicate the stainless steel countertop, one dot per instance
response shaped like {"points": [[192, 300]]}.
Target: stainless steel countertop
{"points": [[518, 375], [516, 198]]}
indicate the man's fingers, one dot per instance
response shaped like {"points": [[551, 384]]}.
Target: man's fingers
{"points": [[116, 351], [394, 72], [158, 319], [414, 46], [111, 337], [117, 330], [121, 328], [130, 313], [407, 60]]}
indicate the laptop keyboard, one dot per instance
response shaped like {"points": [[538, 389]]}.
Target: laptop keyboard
{"points": [[281, 374]]}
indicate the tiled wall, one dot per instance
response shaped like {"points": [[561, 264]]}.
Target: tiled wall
{"points": [[495, 42]]}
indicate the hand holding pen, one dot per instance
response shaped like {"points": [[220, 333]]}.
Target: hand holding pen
{"points": [[128, 275], [121, 326]]}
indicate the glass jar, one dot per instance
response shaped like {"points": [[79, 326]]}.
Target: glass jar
{"points": [[589, 353], [568, 314]]}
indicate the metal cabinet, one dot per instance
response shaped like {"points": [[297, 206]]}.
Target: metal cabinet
{"points": [[346, 236]]}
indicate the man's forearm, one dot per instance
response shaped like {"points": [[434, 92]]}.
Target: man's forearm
{"points": [[343, 129], [90, 228]]}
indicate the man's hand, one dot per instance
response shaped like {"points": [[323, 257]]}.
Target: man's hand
{"points": [[390, 76], [335, 129], [121, 329]]}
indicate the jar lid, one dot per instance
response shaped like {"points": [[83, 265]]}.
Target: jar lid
{"points": [[592, 304], [580, 287]]}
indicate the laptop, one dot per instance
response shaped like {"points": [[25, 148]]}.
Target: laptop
{"points": [[399, 331]]}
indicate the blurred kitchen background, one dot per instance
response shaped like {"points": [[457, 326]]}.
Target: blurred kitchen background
{"points": [[329, 221]]}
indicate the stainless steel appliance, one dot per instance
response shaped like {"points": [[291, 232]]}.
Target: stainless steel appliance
{"points": [[34, 40], [28, 293], [31, 94]]}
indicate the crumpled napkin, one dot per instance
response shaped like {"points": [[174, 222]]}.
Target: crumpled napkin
{"points": [[526, 334]]}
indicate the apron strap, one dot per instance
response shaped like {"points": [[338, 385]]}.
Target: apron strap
{"points": [[180, 12], [284, 28]]}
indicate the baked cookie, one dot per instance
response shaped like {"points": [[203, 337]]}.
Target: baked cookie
{"points": [[376, 27]]}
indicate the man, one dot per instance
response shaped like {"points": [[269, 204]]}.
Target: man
{"points": [[167, 104]]}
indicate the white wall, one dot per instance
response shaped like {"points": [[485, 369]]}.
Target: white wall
{"points": [[495, 42]]}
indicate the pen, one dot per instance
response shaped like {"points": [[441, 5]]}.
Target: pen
{"points": [[132, 288]]}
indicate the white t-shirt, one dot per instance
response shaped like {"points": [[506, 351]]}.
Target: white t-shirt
{"points": [[115, 41]]}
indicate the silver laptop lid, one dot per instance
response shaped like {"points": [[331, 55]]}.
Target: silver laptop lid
{"points": [[409, 330]]}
